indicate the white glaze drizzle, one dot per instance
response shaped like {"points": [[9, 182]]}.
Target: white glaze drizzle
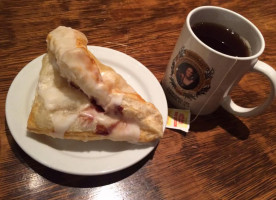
{"points": [[62, 122], [122, 131], [75, 64]]}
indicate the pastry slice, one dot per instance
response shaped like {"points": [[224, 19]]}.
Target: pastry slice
{"points": [[78, 97]]}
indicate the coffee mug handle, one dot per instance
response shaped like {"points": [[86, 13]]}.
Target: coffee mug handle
{"points": [[229, 105]]}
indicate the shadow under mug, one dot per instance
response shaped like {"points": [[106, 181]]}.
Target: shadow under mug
{"points": [[215, 73]]}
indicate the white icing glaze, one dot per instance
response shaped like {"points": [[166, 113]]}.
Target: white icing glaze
{"points": [[62, 39], [99, 117], [125, 131], [116, 100], [75, 64], [57, 95], [63, 102], [119, 130], [62, 121]]}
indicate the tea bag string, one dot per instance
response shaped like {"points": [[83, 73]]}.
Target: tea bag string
{"points": [[208, 99]]}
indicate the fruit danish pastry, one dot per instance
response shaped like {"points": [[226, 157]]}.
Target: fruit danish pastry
{"points": [[78, 97]]}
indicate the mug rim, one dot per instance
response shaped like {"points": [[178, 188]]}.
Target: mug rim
{"points": [[256, 55]]}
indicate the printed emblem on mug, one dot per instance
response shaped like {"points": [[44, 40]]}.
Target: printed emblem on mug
{"points": [[190, 75]]}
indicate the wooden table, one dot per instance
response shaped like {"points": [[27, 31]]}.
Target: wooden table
{"points": [[222, 157]]}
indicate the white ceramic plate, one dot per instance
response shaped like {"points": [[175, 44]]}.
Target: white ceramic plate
{"points": [[76, 157]]}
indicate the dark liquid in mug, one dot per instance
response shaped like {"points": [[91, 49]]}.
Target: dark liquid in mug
{"points": [[222, 39]]}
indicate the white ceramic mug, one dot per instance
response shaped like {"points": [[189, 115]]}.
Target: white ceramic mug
{"points": [[216, 72]]}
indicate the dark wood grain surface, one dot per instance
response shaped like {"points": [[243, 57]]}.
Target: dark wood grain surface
{"points": [[222, 157]]}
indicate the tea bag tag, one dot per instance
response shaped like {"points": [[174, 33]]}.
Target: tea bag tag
{"points": [[178, 119]]}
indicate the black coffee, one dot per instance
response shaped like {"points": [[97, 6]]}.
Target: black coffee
{"points": [[221, 39]]}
